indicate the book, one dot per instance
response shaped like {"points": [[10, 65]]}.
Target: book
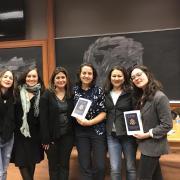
{"points": [[133, 122], [81, 108]]}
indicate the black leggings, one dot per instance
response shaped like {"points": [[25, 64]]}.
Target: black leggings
{"points": [[27, 173]]}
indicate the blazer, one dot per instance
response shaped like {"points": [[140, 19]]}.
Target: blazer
{"points": [[156, 115], [49, 114], [115, 112]]}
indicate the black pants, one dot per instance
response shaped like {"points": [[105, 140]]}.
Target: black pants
{"points": [[149, 168], [58, 156], [91, 154]]}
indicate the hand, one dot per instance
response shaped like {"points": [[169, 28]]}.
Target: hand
{"points": [[142, 135], [84, 122], [46, 146]]}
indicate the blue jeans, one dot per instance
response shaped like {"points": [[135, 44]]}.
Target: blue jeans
{"points": [[117, 146], [5, 155]]}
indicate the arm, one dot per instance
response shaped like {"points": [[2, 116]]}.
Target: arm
{"points": [[164, 117], [99, 118], [44, 121]]}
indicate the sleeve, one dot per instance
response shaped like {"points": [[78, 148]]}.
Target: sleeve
{"points": [[44, 118], [101, 101], [164, 116]]}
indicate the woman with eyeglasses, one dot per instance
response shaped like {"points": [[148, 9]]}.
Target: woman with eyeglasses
{"points": [[156, 119], [7, 100]]}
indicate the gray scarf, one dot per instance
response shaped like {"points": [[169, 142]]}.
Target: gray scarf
{"points": [[26, 104]]}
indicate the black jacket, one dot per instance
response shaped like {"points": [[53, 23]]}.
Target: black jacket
{"points": [[7, 123], [115, 113], [49, 116]]}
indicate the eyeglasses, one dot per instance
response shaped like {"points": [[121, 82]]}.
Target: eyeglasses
{"points": [[139, 74]]}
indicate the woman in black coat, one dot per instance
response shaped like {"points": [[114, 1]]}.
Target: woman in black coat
{"points": [[6, 119], [57, 124], [27, 149]]}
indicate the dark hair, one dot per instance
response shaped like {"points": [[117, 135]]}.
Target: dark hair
{"points": [[68, 85], [94, 74], [12, 89], [22, 78], [151, 88], [126, 84]]}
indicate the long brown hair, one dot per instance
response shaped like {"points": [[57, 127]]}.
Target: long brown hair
{"points": [[151, 88], [12, 89], [108, 85]]}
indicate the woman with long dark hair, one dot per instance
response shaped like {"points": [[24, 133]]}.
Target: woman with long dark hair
{"points": [[7, 87], [57, 124], [156, 120], [119, 99], [27, 149]]}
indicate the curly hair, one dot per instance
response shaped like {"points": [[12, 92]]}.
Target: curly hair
{"points": [[151, 88], [79, 83]]}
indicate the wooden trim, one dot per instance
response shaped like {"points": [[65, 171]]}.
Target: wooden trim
{"points": [[51, 41], [31, 43]]}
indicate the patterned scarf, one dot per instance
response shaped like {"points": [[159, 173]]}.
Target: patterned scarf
{"points": [[26, 104]]}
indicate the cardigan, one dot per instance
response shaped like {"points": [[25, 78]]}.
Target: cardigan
{"points": [[49, 114]]}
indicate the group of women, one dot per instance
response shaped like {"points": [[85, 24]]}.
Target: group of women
{"points": [[34, 120]]}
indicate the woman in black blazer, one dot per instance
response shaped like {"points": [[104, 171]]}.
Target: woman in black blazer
{"points": [[156, 119], [57, 124]]}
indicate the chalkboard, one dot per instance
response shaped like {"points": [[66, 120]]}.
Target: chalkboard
{"points": [[161, 53]]}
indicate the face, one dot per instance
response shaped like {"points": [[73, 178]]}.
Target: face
{"points": [[32, 78], [7, 80], [86, 75], [117, 78], [60, 80], [139, 78]]}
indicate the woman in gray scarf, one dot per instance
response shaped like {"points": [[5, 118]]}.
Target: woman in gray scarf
{"points": [[27, 145]]}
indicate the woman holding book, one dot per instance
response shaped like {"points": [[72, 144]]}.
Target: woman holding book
{"points": [[56, 106], [156, 119], [7, 125], [118, 100], [90, 131]]}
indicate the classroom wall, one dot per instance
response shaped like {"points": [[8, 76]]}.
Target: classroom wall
{"points": [[82, 17]]}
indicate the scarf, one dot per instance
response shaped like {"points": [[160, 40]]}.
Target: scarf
{"points": [[26, 104]]}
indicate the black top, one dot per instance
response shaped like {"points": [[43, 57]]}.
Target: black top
{"points": [[27, 150], [6, 116], [53, 111]]}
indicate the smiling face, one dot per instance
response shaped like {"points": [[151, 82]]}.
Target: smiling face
{"points": [[60, 80], [32, 78], [6, 80], [139, 78], [86, 76], [117, 78]]}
